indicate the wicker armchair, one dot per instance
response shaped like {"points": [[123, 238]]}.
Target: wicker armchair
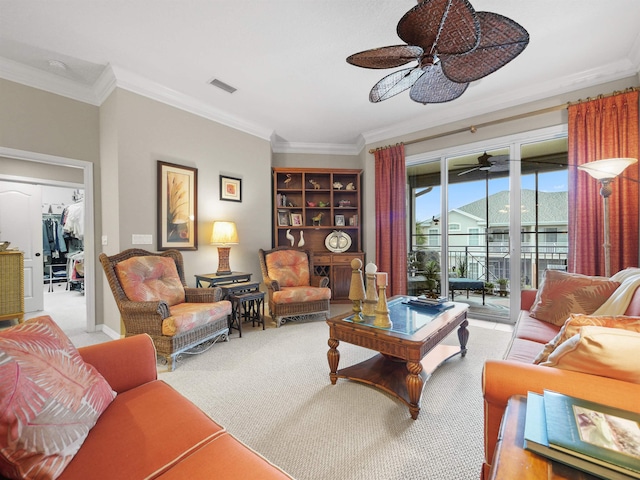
{"points": [[203, 313], [294, 289]]}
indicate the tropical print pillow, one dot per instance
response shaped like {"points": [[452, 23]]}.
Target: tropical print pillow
{"points": [[562, 294], [49, 400], [289, 267], [150, 279]]}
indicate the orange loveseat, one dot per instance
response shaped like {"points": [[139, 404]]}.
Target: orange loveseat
{"points": [[151, 431], [517, 375]]}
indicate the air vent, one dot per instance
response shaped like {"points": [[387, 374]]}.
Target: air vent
{"points": [[227, 88]]}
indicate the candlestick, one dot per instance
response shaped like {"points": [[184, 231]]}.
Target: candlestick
{"points": [[369, 304], [356, 289], [382, 311]]}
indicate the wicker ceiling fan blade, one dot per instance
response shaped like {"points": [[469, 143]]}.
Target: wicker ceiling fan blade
{"points": [[386, 57], [394, 84], [434, 87], [441, 26], [501, 40]]}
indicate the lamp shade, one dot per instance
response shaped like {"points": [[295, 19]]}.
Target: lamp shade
{"points": [[608, 168], [224, 233]]}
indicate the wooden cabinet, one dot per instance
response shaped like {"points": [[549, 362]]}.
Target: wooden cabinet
{"points": [[312, 204], [12, 285]]}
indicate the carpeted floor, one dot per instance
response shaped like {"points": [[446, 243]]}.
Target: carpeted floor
{"points": [[271, 390]]}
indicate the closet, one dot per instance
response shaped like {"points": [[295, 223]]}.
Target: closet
{"points": [[62, 238]]}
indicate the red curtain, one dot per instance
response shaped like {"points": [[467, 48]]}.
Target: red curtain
{"points": [[599, 129], [391, 217]]}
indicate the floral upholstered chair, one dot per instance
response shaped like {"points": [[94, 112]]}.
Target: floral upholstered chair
{"points": [[294, 289], [153, 298]]}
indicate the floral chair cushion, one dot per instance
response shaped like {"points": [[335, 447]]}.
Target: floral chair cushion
{"points": [[289, 267], [151, 278], [301, 294], [50, 400], [187, 316]]}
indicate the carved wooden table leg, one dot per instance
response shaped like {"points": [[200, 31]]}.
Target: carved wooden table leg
{"points": [[414, 387], [463, 336], [333, 355]]}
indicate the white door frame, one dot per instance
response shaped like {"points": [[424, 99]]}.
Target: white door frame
{"points": [[89, 240]]}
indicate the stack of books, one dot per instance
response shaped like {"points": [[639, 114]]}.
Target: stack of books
{"points": [[439, 303], [601, 440]]}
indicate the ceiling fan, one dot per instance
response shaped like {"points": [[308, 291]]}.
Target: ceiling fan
{"points": [[489, 163], [453, 45]]}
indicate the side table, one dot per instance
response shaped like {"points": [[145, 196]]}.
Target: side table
{"points": [[244, 307], [511, 460], [239, 287], [215, 280]]}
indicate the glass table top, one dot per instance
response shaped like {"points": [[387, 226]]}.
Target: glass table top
{"points": [[406, 319]]}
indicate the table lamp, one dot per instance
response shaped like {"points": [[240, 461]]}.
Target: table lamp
{"points": [[224, 234], [605, 171]]}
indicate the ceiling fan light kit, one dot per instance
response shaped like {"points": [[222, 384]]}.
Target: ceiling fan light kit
{"points": [[452, 44]]}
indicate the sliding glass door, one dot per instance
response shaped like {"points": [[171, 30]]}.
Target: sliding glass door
{"points": [[461, 218]]}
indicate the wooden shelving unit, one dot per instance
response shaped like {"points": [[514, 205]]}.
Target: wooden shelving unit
{"points": [[313, 203]]}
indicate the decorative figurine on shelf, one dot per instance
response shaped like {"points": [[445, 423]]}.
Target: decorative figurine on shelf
{"points": [[323, 204], [310, 203], [301, 242], [337, 185], [371, 300], [316, 185], [350, 186], [356, 289], [287, 180], [289, 236], [382, 311], [317, 220]]}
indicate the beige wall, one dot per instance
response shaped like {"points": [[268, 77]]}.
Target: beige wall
{"points": [[129, 133]]}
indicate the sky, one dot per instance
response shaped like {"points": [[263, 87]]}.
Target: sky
{"points": [[460, 194]]}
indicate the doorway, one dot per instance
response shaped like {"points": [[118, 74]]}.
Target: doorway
{"points": [[87, 184]]}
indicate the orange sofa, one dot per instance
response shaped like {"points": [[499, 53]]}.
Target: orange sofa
{"points": [[517, 375], [151, 431]]}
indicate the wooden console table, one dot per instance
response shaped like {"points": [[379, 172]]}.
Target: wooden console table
{"points": [[511, 460]]}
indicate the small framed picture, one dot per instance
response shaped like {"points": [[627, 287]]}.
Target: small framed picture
{"points": [[296, 219], [339, 220], [230, 189], [353, 220], [283, 218]]}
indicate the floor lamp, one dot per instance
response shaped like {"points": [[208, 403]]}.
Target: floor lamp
{"points": [[605, 171]]}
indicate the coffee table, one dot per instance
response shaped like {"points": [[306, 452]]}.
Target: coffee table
{"points": [[410, 350]]}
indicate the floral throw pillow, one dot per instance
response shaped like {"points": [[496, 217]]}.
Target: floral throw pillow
{"points": [[576, 321], [562, 294], [50, 399]]}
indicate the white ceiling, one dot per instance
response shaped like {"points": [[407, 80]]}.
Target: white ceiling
{"points": [[287, 60]]}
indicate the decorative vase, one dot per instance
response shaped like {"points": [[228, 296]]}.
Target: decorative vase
{"points": [[301, 242]]}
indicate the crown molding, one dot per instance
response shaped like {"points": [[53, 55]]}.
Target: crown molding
{"points": [[553, 87], [49, 82], [147, 88], [278, 146]]}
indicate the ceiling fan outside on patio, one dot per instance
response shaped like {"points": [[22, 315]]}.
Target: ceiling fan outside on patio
{"points": [[453, 45], [489, 163]]}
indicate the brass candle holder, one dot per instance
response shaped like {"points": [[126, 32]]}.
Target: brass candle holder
{"points": [[356, 289], [382, 320]]}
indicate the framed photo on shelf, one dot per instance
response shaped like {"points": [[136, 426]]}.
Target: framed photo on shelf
{"points": [[339, 221], [353, 220], [230, 189], [296, 219], [177, 207], [283, 218]]}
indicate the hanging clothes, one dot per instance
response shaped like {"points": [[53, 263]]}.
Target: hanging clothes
{"points": [[73, 220]]}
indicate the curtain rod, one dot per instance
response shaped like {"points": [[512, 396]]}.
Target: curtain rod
{"points": [[474, 128]]}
